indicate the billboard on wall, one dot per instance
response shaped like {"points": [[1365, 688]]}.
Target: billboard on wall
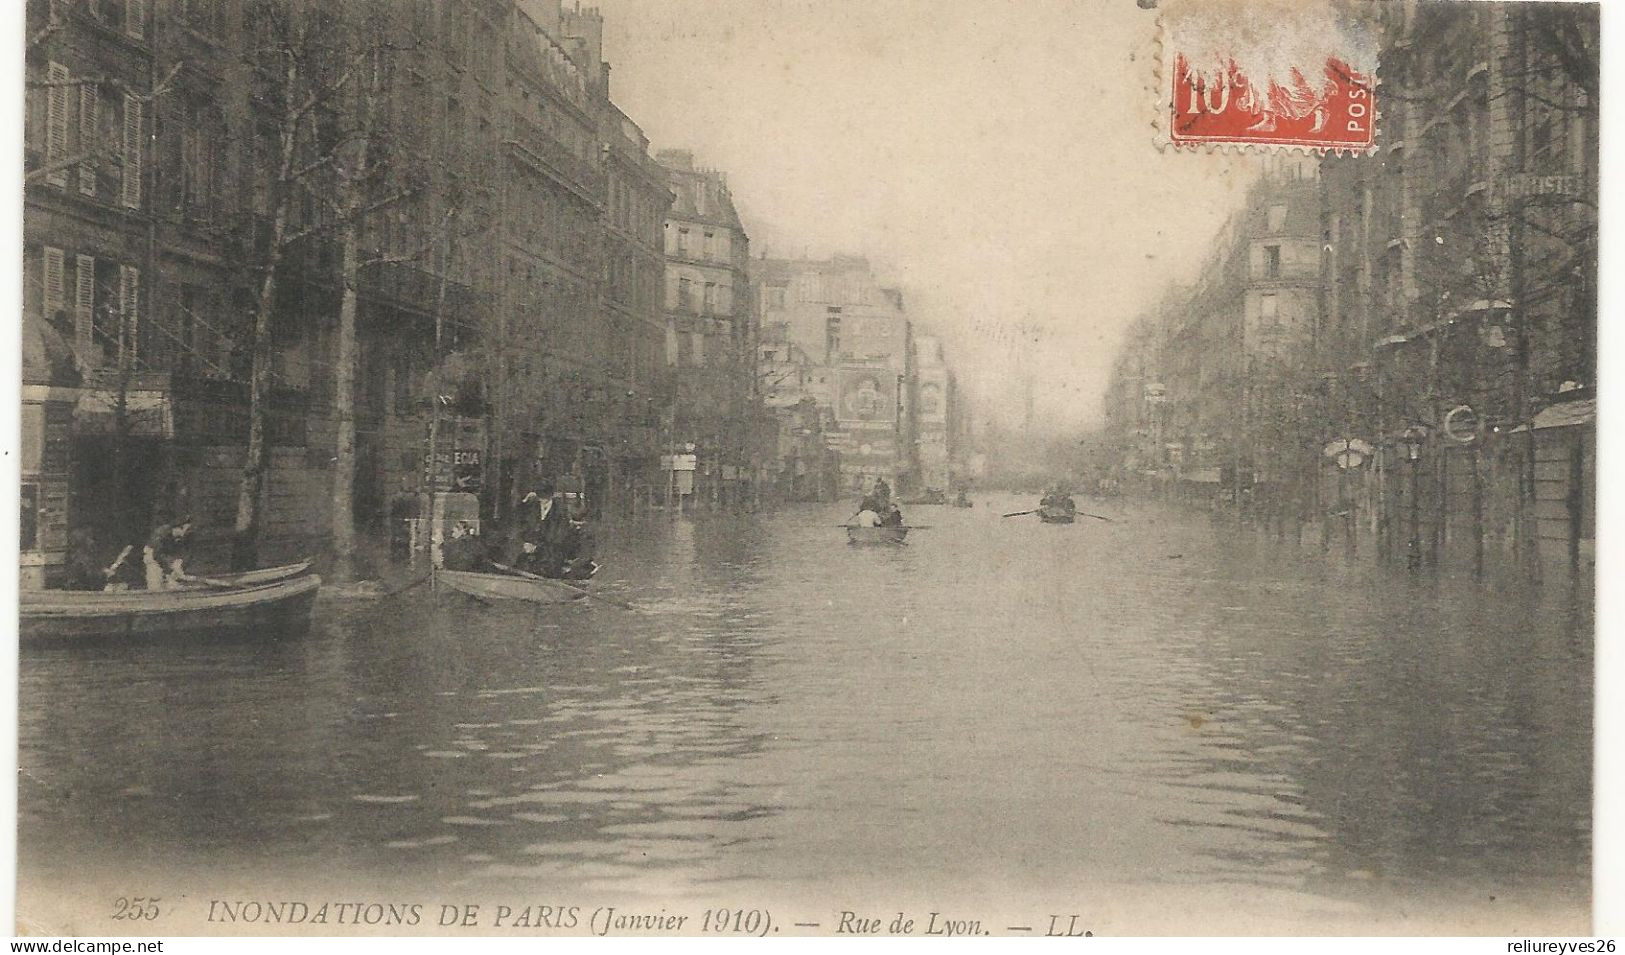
{"points": [[866, 395]]}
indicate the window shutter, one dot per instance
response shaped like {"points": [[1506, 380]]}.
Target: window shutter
{"points": [[84, 308], [56, 122], [129, 292], [55, 290], [135, 18], [89, 137], [132, 152]]}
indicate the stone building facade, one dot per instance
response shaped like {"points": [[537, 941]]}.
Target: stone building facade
{"points": [[1452, 321], [711, 333], [512, 281]]}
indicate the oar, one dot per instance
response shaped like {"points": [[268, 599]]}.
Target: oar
{"points": [[1097, 517], [118, 561], [585, 593]]}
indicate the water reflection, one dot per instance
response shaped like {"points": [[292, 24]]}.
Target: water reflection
{"points": [[1148, 702]]}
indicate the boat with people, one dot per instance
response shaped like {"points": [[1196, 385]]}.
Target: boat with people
{"points": [[280, 605], [1057, 514], [1057, 505], [878, 519]]}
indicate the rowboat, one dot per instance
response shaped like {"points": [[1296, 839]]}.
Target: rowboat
{"points": [[58, 616], [1050, 514], [539, 590], [893, 534]]}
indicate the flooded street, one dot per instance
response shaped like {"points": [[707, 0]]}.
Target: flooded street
{"points": [[1156, 703]]}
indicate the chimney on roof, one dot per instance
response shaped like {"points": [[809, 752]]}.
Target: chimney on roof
{"points": [[676, 159]]}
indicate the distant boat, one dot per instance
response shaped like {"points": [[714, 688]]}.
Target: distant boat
{"points": [[1053, 514], [892, 534], [530, 589], [61, 616], [928, 497]]}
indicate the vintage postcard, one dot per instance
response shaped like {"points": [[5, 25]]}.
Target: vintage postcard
{"points": [[755, 468]]}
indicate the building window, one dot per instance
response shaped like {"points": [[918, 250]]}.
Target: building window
{"points": [[56, 123], [685, 294], [1268, 309], [130, 185], [1272, 261], [1277, 218], [710, 298]]}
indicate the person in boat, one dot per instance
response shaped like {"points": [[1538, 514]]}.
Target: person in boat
{"points": [[463, 550], [893, 517], [882, 492], [577, 551], [555, 544], [867, 515], [166, 552], [524, 546], [87, 567]]}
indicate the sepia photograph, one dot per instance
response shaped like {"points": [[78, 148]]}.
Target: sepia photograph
{"points": [[765, 468]]}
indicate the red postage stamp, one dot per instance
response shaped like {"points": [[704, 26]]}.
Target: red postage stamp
{"points": [[1300, 75]]}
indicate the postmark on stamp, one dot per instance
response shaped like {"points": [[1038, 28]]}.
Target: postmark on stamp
{"points": [[1267, 74]]}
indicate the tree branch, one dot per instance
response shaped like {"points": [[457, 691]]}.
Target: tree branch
{"points": [[427, 244]]}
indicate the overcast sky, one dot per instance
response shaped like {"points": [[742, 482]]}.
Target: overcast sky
{"points": [[995, 159]]}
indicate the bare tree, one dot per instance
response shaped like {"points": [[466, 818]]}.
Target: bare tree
{"points": [[301, 74]]}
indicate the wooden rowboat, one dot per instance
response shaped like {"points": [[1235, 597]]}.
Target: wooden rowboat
{"points": [[540, 590], [1056, 515], [58, 616], [893, 535]]}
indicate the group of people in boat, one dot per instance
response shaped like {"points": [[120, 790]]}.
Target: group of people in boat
{"points": [[878, 509], [158, 562], [548, 538], [1059, 497]]}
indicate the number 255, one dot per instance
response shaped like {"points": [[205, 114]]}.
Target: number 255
{"points": [[136, 909]]}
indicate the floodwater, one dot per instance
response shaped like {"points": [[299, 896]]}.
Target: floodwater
{"points": [[1160, 722]]}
